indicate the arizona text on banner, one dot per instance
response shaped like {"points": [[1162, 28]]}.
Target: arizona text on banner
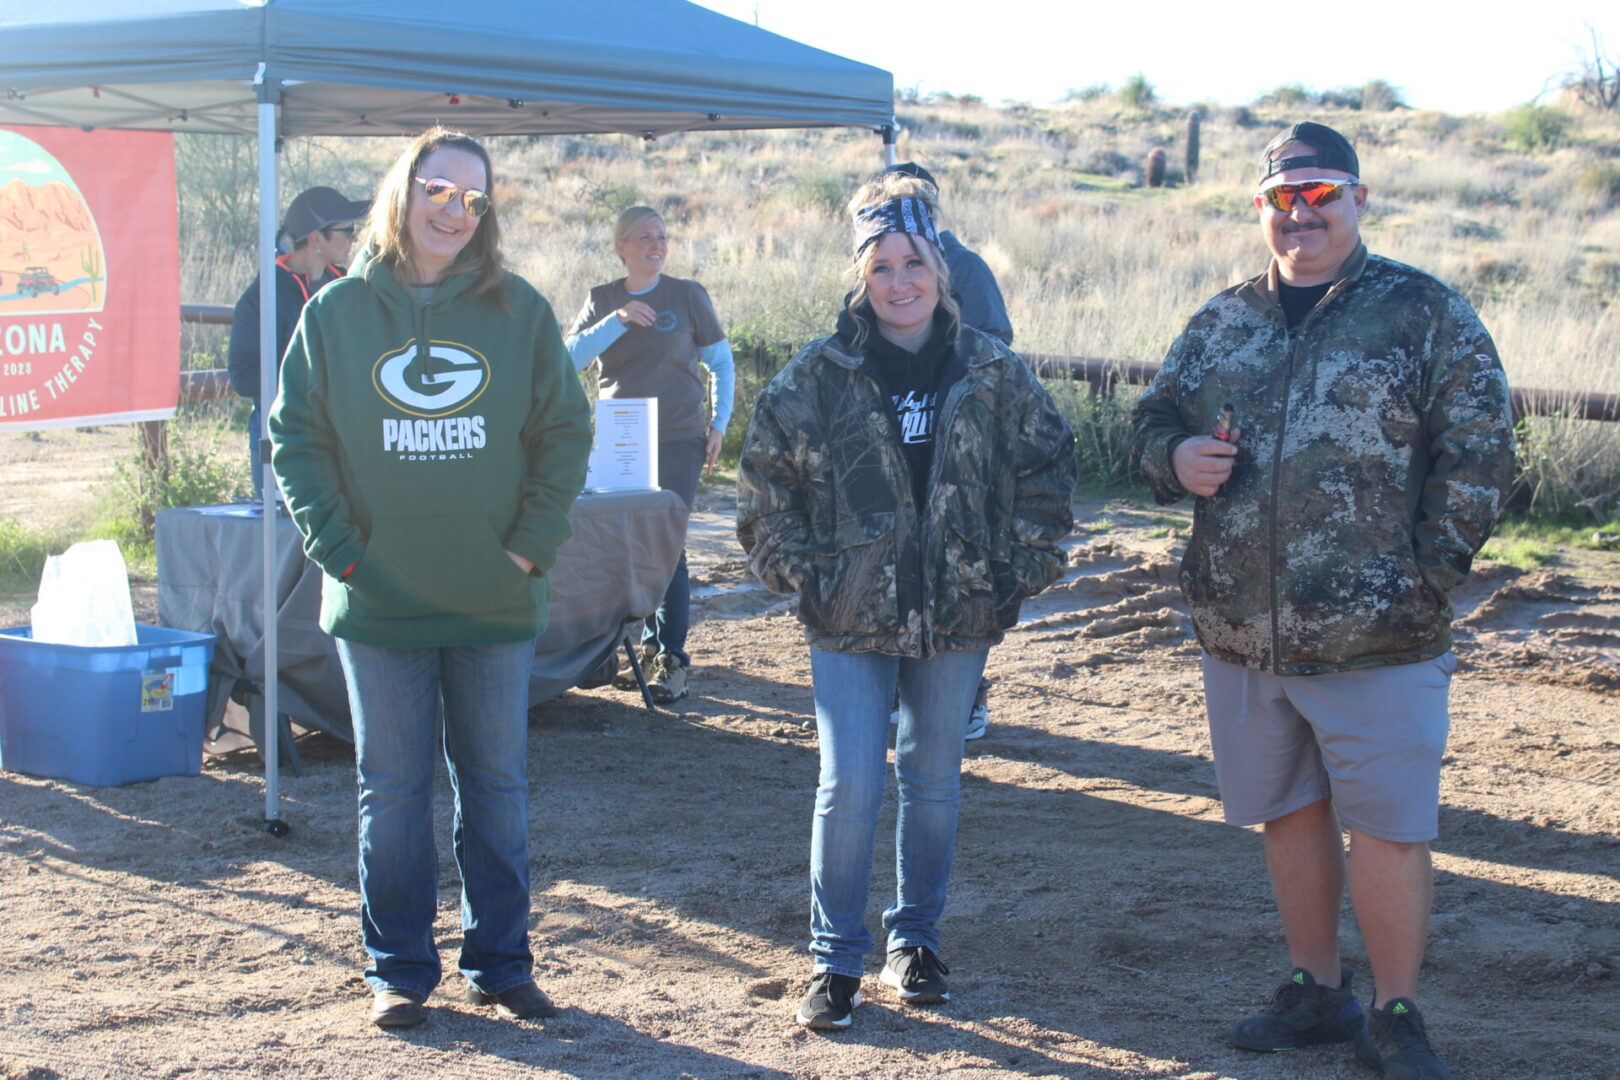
{"points": [[89, 278]]}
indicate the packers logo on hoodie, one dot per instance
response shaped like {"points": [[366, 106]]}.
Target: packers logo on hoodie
{"points": [[444, 381]]}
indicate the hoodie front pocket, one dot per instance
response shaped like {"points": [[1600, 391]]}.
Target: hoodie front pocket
{"points": [[436, 566]]}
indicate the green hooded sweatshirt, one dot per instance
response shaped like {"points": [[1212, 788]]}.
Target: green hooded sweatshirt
{"points": [[412, 470]]}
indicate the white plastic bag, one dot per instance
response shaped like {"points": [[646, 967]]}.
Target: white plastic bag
{"points": [[84, 597]]}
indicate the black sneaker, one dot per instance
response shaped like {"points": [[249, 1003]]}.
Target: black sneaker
{"points": [[1394, 1043], [829, 1001], [1302, 1013], [918, 974]]}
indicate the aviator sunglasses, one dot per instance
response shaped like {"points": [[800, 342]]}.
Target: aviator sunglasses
{"points": [[1315, 193], [440, 191]]}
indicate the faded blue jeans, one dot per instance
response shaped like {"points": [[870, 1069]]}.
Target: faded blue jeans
{"points": [[394, 695], [852, 692]]}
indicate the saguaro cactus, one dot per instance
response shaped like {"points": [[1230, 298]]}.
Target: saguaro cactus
{"points": [[90, 263], [1195, 120]]}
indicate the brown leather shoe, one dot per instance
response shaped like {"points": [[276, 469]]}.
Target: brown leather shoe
{"points": [[525, 1001], [393, 1008]]}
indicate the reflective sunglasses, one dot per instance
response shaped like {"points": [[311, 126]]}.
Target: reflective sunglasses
{"points": [[346, 230], [1315, 193], [440, 191]]}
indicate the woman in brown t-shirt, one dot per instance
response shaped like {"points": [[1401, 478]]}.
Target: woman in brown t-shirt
{"points": [[652, 336]]}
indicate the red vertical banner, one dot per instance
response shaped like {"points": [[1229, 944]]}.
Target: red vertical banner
{"points": [[89, 277]]}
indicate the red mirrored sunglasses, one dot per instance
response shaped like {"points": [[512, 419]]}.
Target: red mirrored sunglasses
{"points": [[1315, 193], [440, 191]]}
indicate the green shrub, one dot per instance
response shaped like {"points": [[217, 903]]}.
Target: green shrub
{"points": [[22, 554], [1136, 92], [1087, 93], [823, 192], [1380, 96], [1287, 96], [1102, 436], [1343, 97], [1535, 127], [1570, 467], [1600, 179], [194, 473]]}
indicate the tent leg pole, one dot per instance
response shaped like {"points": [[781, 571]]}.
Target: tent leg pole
{"points": [[270, 606], [890, 157]]}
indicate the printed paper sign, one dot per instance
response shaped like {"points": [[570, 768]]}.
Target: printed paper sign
{"points": [[624, 455], [89, 278]]}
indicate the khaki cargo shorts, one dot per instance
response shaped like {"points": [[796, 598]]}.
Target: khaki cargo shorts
{"points": [[1369, 739]]}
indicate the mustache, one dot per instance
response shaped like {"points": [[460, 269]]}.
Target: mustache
{"points": [[1303, 226]]}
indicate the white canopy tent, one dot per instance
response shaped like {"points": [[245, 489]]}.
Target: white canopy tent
{"points": [[279, 68]]}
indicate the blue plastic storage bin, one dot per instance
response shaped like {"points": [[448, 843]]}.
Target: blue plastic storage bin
{"points": [[105, 715]]}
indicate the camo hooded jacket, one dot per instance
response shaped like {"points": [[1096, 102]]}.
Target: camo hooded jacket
{"points": [[825, 505], [1375, 450]]}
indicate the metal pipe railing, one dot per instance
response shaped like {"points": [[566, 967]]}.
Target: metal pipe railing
{"points": [[1103, 375]]}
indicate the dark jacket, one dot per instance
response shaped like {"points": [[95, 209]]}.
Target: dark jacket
{"points": [[422, 469], [825, 505], [243, 358], [1375, 451], [976, 291]]}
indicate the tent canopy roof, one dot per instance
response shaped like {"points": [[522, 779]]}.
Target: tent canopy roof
{"points": [[364, 67]]}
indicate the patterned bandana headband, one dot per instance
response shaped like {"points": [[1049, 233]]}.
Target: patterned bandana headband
{"points": [[897, 215]]}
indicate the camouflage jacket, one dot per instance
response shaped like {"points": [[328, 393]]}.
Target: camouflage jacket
{"points": [[1375, 450], [825, 505]]}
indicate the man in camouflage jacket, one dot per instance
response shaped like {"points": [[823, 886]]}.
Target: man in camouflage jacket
{"points": [[1371, 450], [825, 506]]}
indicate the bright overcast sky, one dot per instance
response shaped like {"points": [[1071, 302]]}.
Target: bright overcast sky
{"points": [[1468, 57]]}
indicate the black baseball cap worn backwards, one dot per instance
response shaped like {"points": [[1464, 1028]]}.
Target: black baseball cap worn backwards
{"points": [[1333, 151], [911, 168], [320, 207]]}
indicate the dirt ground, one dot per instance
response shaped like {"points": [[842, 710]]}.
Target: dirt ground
{"points": [[1103, 922]]}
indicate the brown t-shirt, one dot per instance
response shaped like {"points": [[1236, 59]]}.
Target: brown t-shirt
{"points": [[659, 361]]}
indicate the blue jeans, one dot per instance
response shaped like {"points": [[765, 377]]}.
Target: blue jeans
{"points": [[680, 465], [852, 692], [394, 695]]}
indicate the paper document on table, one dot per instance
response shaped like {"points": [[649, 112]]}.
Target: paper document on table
{"points": [[624, 455]]}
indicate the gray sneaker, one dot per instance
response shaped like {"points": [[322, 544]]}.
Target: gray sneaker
{"points": [[626, 678], [978, 722], [979, 719], [1301, 1013], [666, 682]]}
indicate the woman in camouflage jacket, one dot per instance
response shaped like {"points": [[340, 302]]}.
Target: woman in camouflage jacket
{"points": [[910, 479]]}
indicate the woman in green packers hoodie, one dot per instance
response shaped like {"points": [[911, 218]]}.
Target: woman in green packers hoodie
{"points": [[429, 436]]}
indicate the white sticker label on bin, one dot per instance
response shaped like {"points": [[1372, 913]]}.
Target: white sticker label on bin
{"points": [[157, 692]]}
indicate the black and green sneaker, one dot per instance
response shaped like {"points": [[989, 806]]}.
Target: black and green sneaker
{"points": [[1395, 1043], [1301, 1013]]}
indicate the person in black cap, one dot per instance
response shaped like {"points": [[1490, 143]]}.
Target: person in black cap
{"points": [[315, 239], [972, 282], [1343, 421], [979, 299]]}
